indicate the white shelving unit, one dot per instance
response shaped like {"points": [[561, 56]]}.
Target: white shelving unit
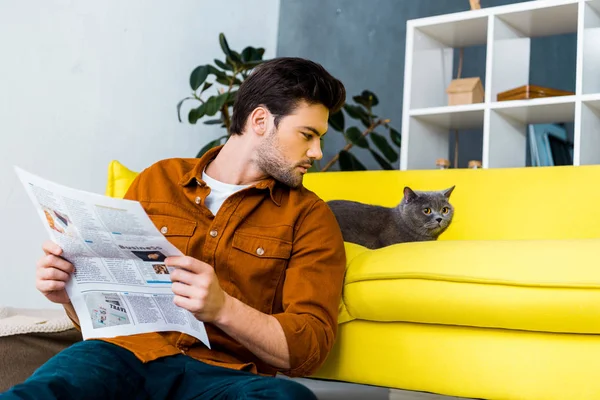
{"points": [[506, 31]]}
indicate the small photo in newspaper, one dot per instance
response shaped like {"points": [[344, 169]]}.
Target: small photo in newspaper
{"points": [[57, 221], [157, 273], [106, 309], [150, 256]]}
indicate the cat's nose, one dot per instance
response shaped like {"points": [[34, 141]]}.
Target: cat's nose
{"points": [[438, 219]]}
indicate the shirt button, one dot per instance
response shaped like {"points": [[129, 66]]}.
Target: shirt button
{"points": [[164, 230], [213, 233], [198, 200], [260, 251]]}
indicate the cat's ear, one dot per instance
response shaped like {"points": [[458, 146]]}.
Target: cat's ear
{"points": [[409, 195], [448, 192]]}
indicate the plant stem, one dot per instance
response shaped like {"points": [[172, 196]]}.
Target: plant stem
{"points": [[198, 98], [225, 109], [226, 118], [350, 145]]}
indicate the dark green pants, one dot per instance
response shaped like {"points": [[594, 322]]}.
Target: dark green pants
{"points": [[99, 370]]}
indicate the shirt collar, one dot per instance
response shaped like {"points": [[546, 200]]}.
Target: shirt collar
{"points": [[194, 176]]}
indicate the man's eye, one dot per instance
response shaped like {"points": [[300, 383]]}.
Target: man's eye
{"points": [[308, 136]]}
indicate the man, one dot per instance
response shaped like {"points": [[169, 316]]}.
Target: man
{"points": [[264, 260]]}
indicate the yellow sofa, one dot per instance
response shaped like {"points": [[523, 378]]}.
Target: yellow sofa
{"points": [[506, 305]]}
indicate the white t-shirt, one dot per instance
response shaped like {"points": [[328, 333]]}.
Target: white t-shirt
{"points": [[219, 191]]}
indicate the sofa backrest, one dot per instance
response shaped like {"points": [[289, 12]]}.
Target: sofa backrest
{"points": [[490, 204]]}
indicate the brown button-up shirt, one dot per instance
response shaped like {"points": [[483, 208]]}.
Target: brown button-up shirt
{"points": [[277, 249]]}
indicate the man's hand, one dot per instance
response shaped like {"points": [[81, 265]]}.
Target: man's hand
{"points": [[52, 274], [196, 288]]}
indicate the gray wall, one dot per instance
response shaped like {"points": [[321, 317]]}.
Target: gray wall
{"points": [[362, 43]]}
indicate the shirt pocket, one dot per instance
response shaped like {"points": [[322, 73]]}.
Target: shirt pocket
{"points": [[256, 265], [178, 231]]}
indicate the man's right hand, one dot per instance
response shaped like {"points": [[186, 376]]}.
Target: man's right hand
{"points": [[52, 274]]}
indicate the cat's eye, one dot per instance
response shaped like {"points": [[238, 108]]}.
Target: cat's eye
{"points": [[445, 210], [427, 211]]}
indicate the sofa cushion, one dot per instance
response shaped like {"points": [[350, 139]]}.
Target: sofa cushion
{"points": [[119, 179], [535, 285]]}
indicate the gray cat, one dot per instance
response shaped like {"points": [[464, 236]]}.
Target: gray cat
{"points": [[420, 216]]}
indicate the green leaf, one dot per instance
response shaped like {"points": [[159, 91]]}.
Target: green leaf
{"points": [[252, 54], [222, 65], [355, 136], [224, 45], [213, 122], [235, 57], [337, 121], [355, 112], [216, 72], [358, 112], [370, 97], [223, 80], [211, 105], [247, 54], [198, 76], [360, 100], [350, 163], [384, 164], [383, 145], [209, 146], [221, 100], [367, 99], [366, 122], [196, 113], [396, 137], [179, 107], [232, 97], [226, 80], [252, 64], [206, 86]]}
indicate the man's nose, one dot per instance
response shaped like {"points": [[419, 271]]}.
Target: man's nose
{"points": [[315, 152]]}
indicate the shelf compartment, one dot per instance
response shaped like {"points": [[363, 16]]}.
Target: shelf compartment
{"points": [[509, 122], [591, 44], [466, 32], [431, 131], [511, 46], [468, 116], [533, 21], [589, 136], [430, 56], [538, 111]]}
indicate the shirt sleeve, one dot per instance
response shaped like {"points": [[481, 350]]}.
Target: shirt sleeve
{"points": [[312, 290]]}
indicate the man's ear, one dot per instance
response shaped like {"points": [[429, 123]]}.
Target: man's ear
{"points": [[258, 120]]}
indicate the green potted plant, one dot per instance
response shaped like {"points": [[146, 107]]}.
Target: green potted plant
{"points": [[227, 75]]}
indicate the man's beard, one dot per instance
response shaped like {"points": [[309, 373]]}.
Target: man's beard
{"points": [[272, 162]]}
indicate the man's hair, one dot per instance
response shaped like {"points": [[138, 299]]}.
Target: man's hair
{"points": [[281, 84]]}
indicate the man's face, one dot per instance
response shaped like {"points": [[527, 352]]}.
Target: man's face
{"points": [[288, 151]]}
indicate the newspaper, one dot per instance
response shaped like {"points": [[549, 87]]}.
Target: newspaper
{"points": [[121, 285]]}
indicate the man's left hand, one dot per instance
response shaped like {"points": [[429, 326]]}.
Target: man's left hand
{"points": [[196, 288]]}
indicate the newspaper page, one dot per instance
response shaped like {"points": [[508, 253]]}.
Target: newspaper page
{"points": [[121, 285]]}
